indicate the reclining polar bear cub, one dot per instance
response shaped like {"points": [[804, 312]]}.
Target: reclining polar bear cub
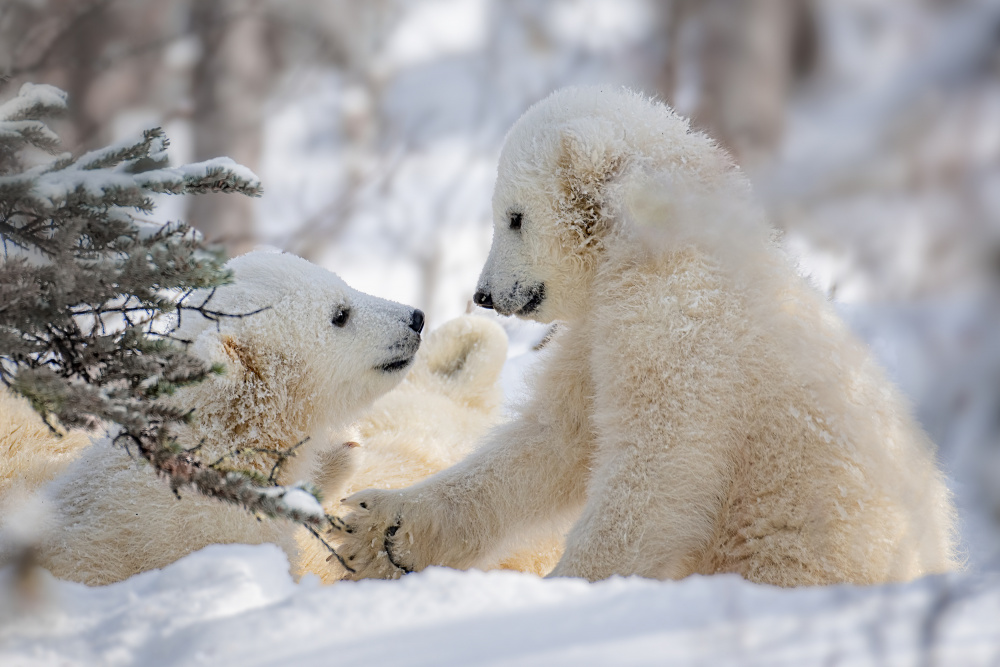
{"points": [[702, 409], [317, 355]]}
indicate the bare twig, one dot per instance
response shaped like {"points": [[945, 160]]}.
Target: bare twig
{"points": [[333, 552]]}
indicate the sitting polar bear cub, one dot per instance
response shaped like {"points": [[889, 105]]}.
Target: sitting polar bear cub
{"points": [[702, 409], [317, 355]]}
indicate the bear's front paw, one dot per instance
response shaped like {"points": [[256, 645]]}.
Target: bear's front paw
{"points": [[368, 538]]}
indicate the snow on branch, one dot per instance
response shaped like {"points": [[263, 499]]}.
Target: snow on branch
{"points": [[14, 133], [104, 178], [152, 145], [34, 101], [220, 174], [297, 503]]}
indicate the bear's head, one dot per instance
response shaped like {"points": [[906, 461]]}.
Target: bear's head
{"points": [[299, 348], [562, 191]]}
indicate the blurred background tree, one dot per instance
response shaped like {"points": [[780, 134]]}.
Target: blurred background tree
{"points": [[871, 129]]}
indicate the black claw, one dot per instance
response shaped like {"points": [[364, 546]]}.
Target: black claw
{"points": [[389, 532]]}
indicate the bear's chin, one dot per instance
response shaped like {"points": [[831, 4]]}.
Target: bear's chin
{"points": [[530, 298], [395, 366]]}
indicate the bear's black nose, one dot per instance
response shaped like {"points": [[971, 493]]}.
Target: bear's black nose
{"points": [[417, 321], [483, 300]]}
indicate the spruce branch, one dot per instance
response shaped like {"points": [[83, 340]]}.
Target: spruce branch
{"points": [[183, 469], [91, 298], [33, 102], [281, 457]]}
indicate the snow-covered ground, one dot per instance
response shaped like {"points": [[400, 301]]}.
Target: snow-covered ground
{"points": [[237, 605]]}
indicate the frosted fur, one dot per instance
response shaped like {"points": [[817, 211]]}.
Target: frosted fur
{"points": [[30, 452], [702, 410], [431, 421], [289, 374]]}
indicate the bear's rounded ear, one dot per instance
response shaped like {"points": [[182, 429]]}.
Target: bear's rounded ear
{"points": [[592, 147], [463, 358], [591, 155]]}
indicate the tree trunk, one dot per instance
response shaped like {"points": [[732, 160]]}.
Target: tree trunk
{"points": [[230, 85], [745, 58]]}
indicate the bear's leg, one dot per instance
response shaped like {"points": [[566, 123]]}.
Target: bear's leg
{"points": [[666, 406], [524, 476], [650, 511], [530, 473]]}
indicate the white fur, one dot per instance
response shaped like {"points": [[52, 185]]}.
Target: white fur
{"points": [[289, 374], [429, 422], [30, 452], [703, 409]]}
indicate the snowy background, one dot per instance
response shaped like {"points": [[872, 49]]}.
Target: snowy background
{"points": [[870, 127]]}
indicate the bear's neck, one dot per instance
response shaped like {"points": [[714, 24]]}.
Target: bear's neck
{"points": [[243, 416]]}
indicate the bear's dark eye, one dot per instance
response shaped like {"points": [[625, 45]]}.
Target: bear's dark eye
{"points": [[340, 317], [515, 220]]}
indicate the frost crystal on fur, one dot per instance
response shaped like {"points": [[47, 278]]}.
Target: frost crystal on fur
{"points": [[702, 408]]}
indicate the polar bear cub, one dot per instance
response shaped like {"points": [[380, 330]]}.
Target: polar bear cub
{"points": [[702, 409], [315, 356]]}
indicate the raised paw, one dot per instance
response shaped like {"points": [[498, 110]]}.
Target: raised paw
{"points": [[366, 541]]}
